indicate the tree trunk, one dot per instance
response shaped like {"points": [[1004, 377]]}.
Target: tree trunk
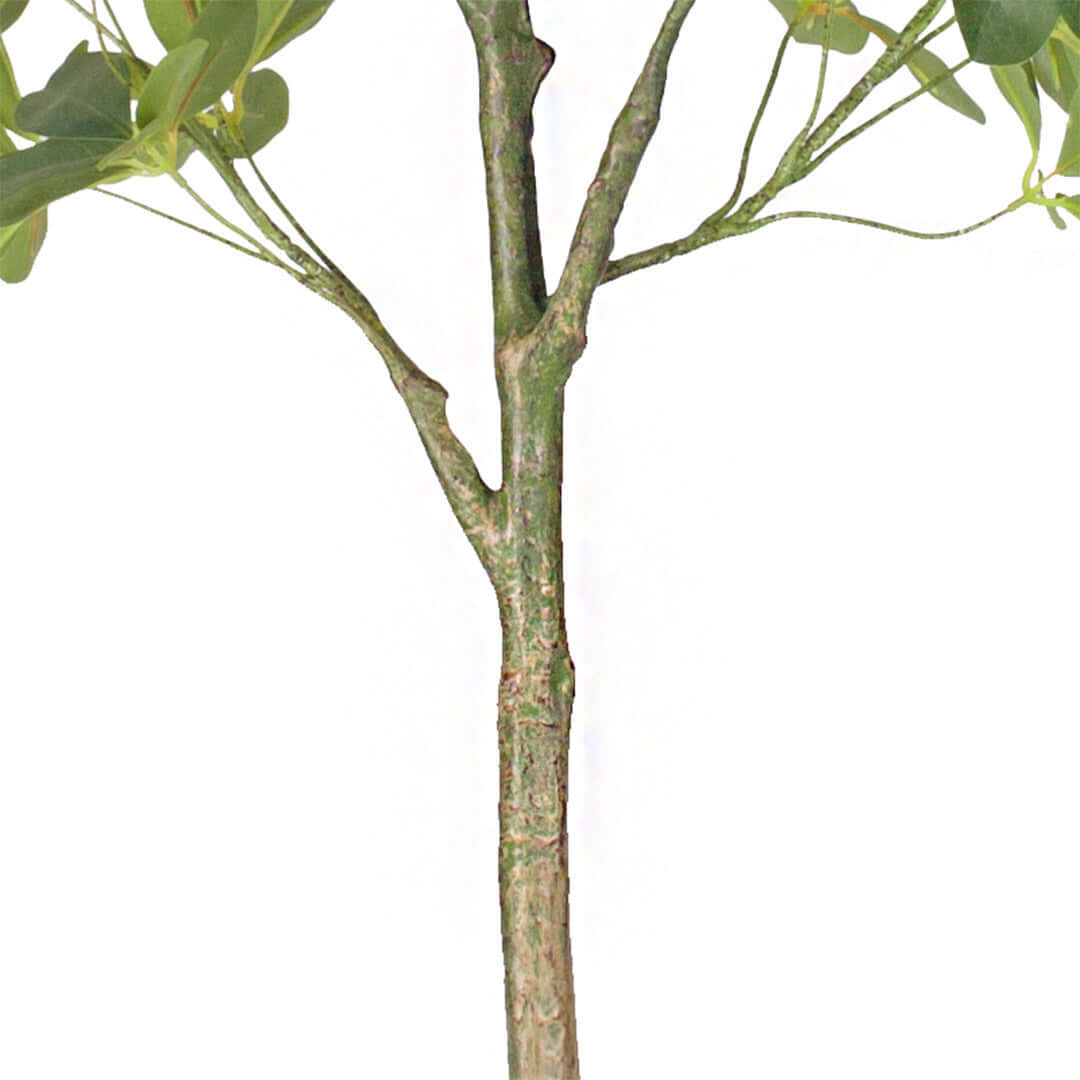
{"points": [[536, 693]]}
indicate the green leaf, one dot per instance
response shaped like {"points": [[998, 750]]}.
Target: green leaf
{"points": [[1070, 12], [20, 244], [265, 112], [229, 28], [10, 10], [1055, 217], [1069, 161], [167, 95], [1003, 32], [31, 179], [926, 67], [9, 91], [848, 34], [282, 20], [171, 19], [1057, 67], [1017, 84], [1072, 205], [83, 99]]}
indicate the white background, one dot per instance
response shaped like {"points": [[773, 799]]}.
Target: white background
{"points": [[822, 533]]}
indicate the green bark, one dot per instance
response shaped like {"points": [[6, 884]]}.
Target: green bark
{"points": [[537, 341], [536, 693]]}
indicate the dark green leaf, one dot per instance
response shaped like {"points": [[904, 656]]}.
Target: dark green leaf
{"points": [[228, 26], [1057, 67], [167, 95], [1005, 32], [10, 10], [171, 19], [83, 99], [1069, 162], [282, 20], [39, 175], [265, 102], [19, 246], [848, 34], [1017, 84], [1070, 12], [926, 67]]}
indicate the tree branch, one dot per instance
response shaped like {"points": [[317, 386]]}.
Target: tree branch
{"points": [[629, 139], [512, 63], [887, 65], [796, 162], [472, 501], [469, 497]]}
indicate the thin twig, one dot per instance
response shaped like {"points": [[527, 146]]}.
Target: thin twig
{"points": [[224, 220], [822, 70], [97, 22], [758, 116], [304, 235], [791, 214], [119, 28], [924, 89], [195, 228]]}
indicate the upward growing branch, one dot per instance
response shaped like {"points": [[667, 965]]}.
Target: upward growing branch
{"points": [[512, 63], [630, 137]]}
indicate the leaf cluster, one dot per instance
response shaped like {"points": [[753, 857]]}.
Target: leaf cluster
{"points": [[1029, 45], [80, 124]]}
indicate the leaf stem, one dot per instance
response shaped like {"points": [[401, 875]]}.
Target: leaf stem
{"points": [[269, 255], [758, 116], [924, 89], [96, 21], [99, 26], [822, 70], [119, 28], [265, 224], [196, 228], [303, 233], [923, 42], [868, 223]]}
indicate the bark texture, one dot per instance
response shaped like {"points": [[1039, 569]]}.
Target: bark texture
{"points": [[536, 693], [518, 530]]}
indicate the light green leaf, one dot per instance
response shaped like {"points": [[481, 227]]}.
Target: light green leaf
{"points": [[848, 34], [1055, 217], [1069, 161], [265, 112], [1017, 84], [1072, 205], [83, 99], [1004, 32], [10, 10], [228, 26], [20, 244], [171, 19], [282, 20], [1057, 67], [167, 95], [9, 90], [926, 67], [39, 175]]}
